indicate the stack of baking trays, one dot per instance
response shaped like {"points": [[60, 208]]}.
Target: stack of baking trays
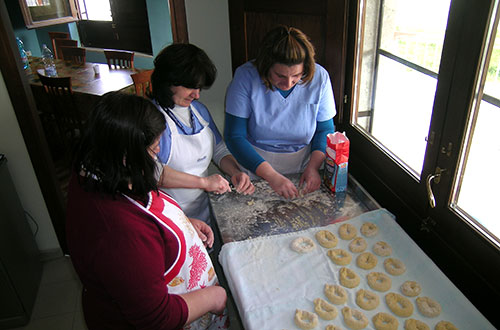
{"points": [[367, 273]]}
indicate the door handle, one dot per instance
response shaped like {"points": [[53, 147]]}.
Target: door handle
{"points": [[436, 177]]}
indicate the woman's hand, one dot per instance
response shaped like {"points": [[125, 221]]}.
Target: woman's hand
{"points": [[310, 180], [216, 183], [242, 183], [283, 186], [204, 232]]}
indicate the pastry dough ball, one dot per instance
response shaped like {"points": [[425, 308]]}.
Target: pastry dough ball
{"points": [[324, 309], [348, 278], [339, 256], [384, 321], [394, 266], [302, 245], [354, 319], [411, 288], [382, 249], [399, 305], [445, 325], [369, 229], [379, 281], [366, 260], [428, 307], [336, 294], [305, 320], [357, 245], [367, 300], [332, 327], [412, 324], [326, 239], [347, 231]]}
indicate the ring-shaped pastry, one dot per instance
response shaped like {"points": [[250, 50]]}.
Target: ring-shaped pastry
{"points": [[339, 256], [348, 278], [398, 304], [357, 245], [394, 266], [428, 306], [412, 324], [354, 319], [367, 300], [366, 260], [335, 293], [302, 245], [305, 320], [332, 327], [445, 325], [347, 231], [382, 249], [369, 229], [324, 309], [379, 281], [411, 288], [326, 239], [384, 321]]}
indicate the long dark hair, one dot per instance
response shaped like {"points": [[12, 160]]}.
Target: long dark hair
{"points": [[113, 151], [180, 65]]}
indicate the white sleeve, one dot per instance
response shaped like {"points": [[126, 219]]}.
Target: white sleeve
{"points": [[220, 151]]}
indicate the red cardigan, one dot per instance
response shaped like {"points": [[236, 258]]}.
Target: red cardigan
{"points": [[120, 254]]}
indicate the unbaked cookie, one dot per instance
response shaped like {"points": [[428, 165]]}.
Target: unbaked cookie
{"points": [[382, 249], [348, 278], [305, 320], [445, 325], [326, 239], [366, 260], [399, 305], [347, 231], [394, 266], [354, 319], [369, 229], [412, 324], [324, 309], [379, 281], [339, 256], [428, 306], [333, 327], [367, 300], [302, 245], [335, 293], [411, 288], [357, 245], [384, 321]]}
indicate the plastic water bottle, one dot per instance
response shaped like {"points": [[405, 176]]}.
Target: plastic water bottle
{"points": [[22, 52], [48, 62]]}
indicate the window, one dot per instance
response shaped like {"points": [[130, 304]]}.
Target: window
{"points": [[115, 24], [38, 13]]}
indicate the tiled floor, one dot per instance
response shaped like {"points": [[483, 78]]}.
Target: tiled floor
{"points": [[58, 303]]}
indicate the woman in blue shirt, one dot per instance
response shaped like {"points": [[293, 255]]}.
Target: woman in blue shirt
{"points": [[279, 109]]}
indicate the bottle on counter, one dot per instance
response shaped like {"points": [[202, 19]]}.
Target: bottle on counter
{"points": [[22, 52], [48, 62]]}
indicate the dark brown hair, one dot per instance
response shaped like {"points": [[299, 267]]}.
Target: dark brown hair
{"points": [[285, 45]]}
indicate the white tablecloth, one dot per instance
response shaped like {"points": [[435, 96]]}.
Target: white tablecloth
{"points": [[269, 281]]}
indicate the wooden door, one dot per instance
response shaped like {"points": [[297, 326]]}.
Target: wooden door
{"points": [[323, 21]]}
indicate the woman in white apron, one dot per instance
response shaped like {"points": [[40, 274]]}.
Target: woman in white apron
{"points": [[142, 263], [191, 140], [279, 109]]}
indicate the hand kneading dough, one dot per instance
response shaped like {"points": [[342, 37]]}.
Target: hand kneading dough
{"points": [[326, 239], [348, 278], [324, 309], [445, 325], [336, 294], [339, 256], [302, 245], [384, 321], [354, 319], [305, 320], [399, 305], [412, 324], [428, 307], [347, 231]]}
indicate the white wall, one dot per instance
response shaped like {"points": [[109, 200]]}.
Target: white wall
{"points": [[23, 175], [208, 28]]}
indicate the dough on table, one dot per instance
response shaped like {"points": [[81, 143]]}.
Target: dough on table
{"points": [[333, 327], [394, 266], [305, 320], [366, 260], [412, 324], [384, 321], [339, 256], [354, 318], [398, 304], [348, 278], [382, 249], [367, 300], [335, 293], [357, 245], [379, 281], [445, 325], [369, 229], [428, 306], [324, 309], [302, 245], [347, 231], [326, 239], [411, 288]]}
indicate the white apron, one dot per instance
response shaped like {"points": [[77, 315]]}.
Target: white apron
{"points": [[192, 269], [284, 162], [191, 154]]}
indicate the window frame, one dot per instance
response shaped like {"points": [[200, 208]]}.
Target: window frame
{"points": [[32, 24]]}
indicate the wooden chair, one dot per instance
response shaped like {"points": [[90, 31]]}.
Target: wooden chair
{"points": [[119, 59], [57, 35], [74, 54], [142, 82], [64, 43]]}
